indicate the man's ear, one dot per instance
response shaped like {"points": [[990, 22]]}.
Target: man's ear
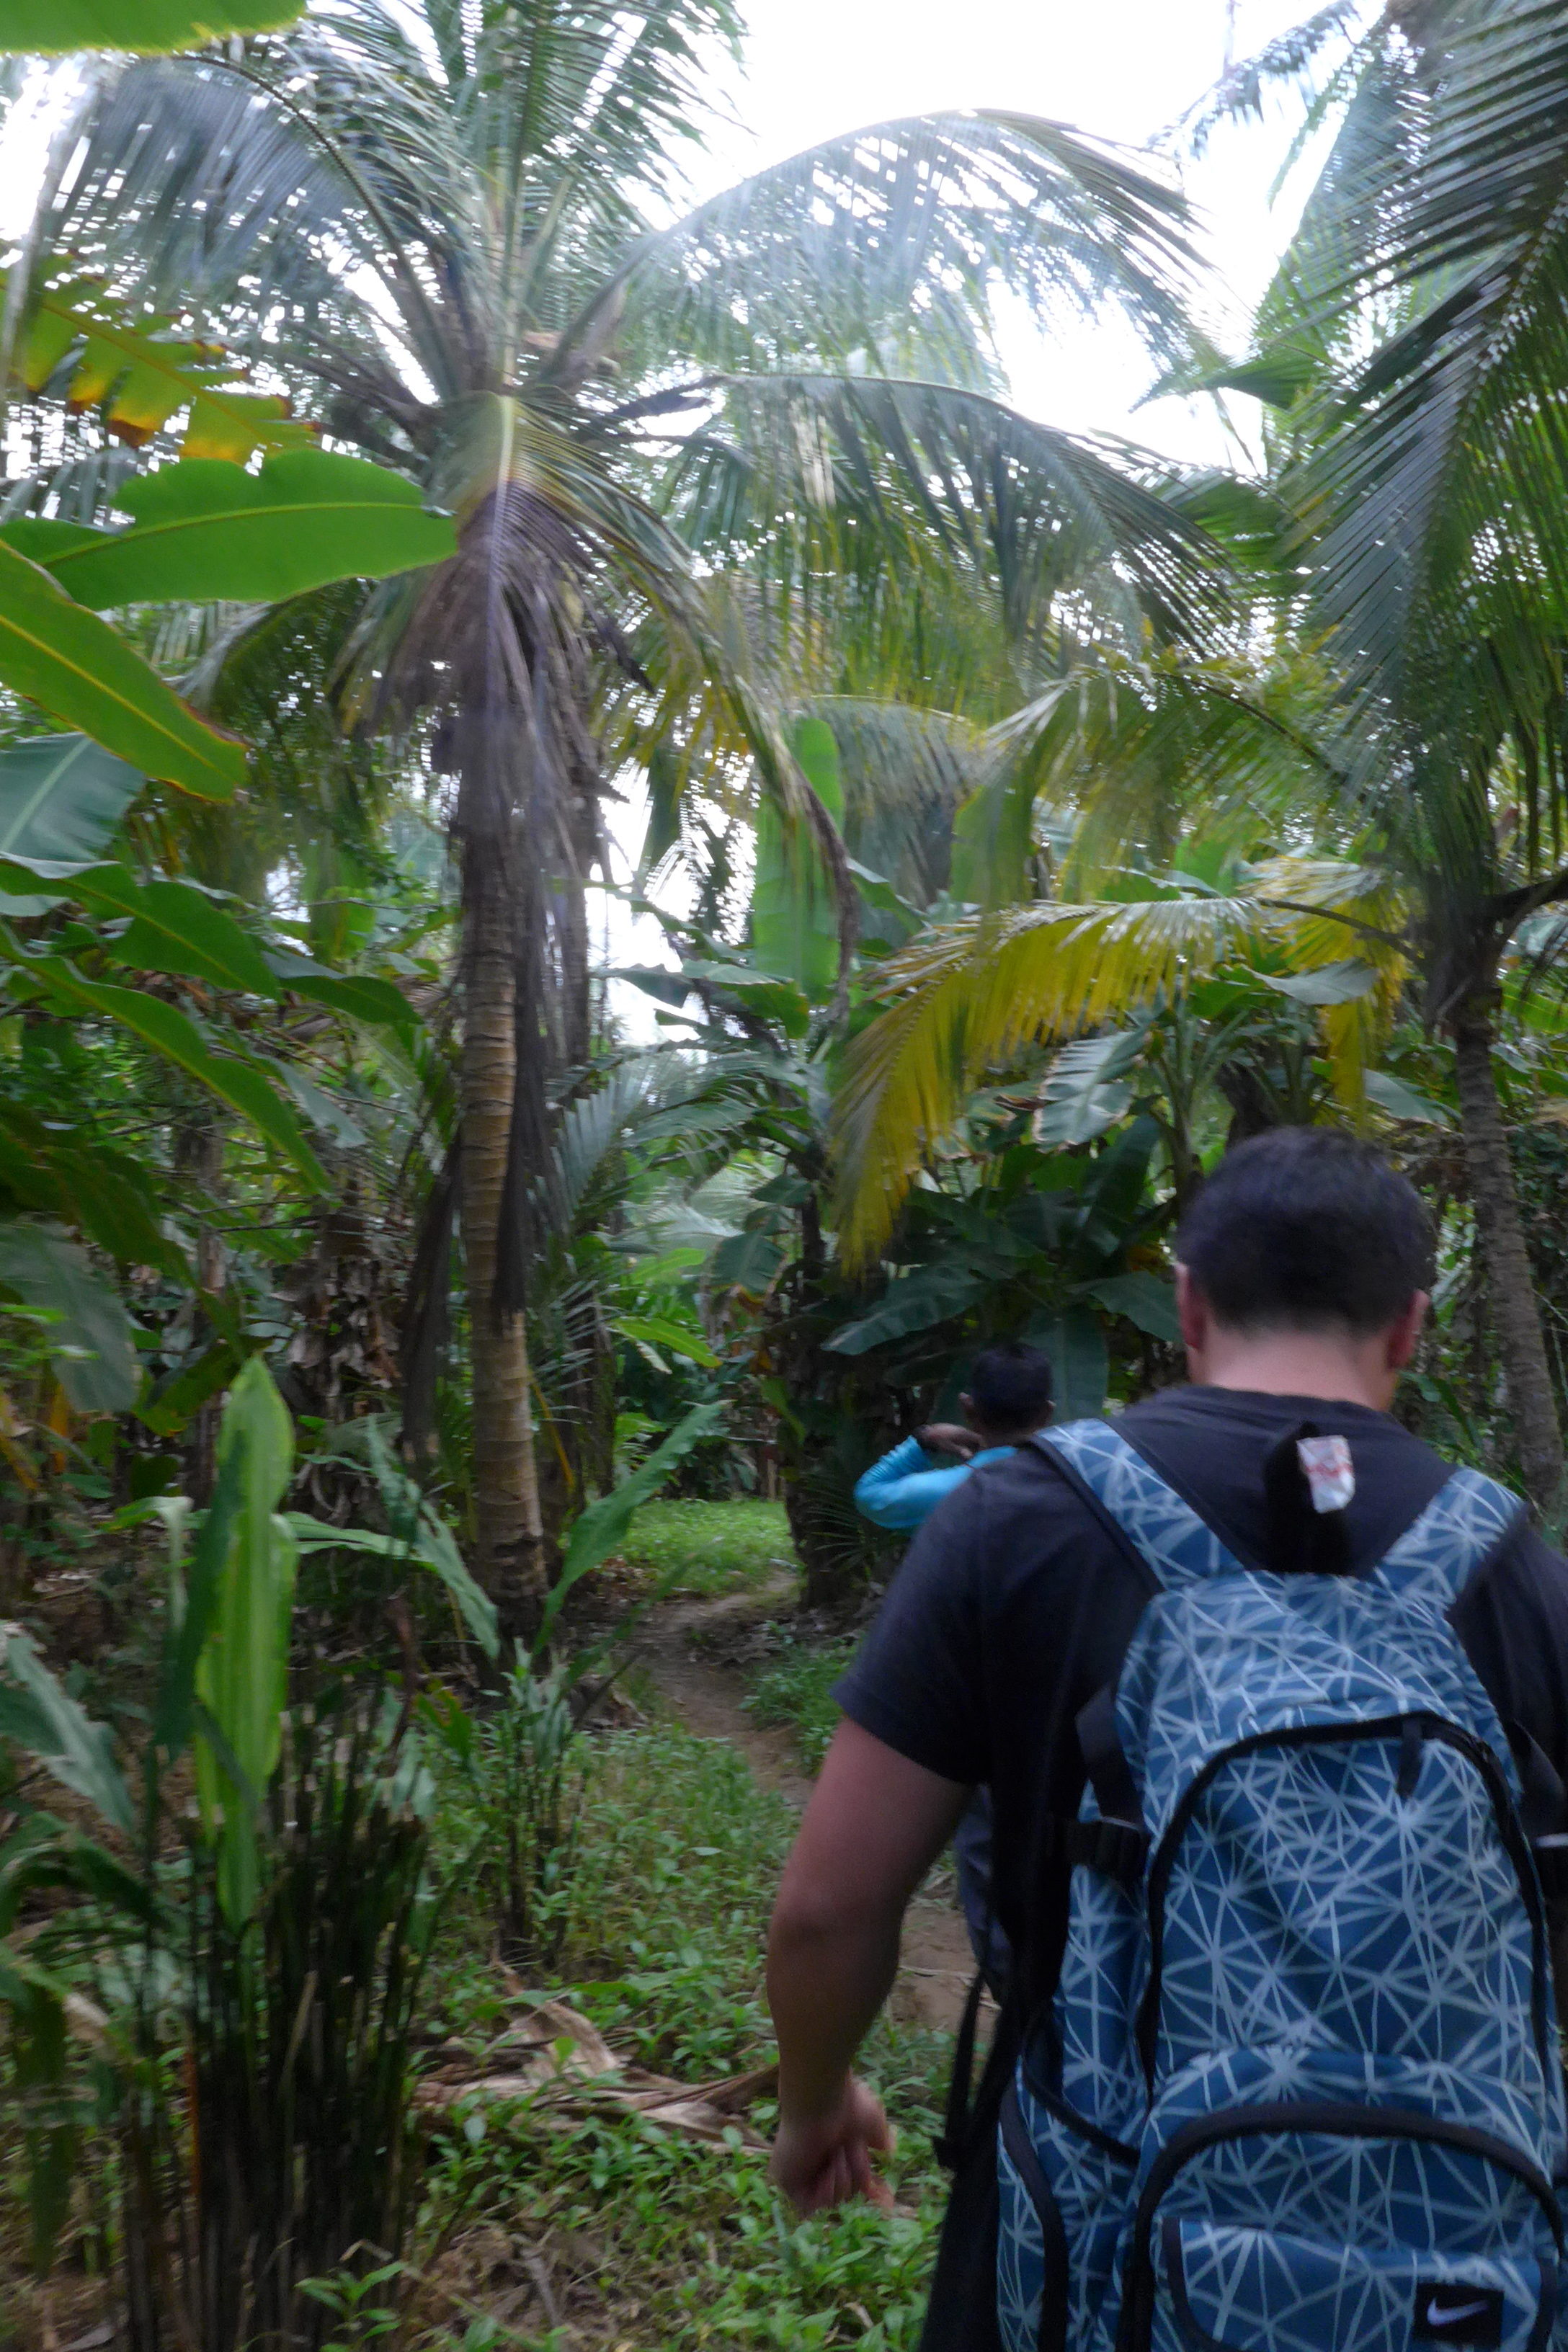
{"points": [[1192, 1310], [967, 1405], [1404, 1334]]}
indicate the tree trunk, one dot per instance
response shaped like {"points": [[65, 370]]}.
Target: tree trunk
{"points": [[1515, 1314], [506, 1484]]}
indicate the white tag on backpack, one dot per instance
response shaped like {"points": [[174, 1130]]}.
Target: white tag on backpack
{"points": [[1331, 1474]]}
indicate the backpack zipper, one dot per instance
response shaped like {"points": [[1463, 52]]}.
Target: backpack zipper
{"points": [[1386, 1726], [1327, 2118]]}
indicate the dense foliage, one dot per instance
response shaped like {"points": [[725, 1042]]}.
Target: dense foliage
{"points": [[397, 482]]}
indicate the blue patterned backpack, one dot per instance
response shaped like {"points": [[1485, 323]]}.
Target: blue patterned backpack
{"points": [[1299, 2089]]}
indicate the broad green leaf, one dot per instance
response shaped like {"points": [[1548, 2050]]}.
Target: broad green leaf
{"points": [[67, 660], [360, 997], [747, 1260], [45, 1719], [103, 1192], [92, 1350], [147, 27], [602, 1526], [170, 1033], [61, 798], [242, 1674], [174, 926], [193, 1600], [323, 1110], [172, 1407], [1329, 983], [1079, 1362], [1144, 1299], [205, 528], [43, 539], [774, 998], [928, 1296], [474, 1606], [45, 1852], [657, 1331], [1400, 1101], [795, 907], [1080, 1116]]}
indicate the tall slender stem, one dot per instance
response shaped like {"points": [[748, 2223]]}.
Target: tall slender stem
{"points": [[1510, 1287]]}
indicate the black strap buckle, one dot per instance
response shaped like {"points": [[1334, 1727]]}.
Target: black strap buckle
{"points": [[1551, 1863], [1117, 1850]]}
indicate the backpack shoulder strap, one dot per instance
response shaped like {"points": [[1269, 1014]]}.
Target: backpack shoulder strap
{"points": [[1461, 1526], [1166, 1533]]}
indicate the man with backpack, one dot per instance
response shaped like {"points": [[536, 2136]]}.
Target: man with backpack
{"points": [[1273, 1707]]}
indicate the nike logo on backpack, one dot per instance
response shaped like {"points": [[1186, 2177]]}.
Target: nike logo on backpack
{"points": [[1456, 2312]]}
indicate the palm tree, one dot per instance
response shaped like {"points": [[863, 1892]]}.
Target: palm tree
{"points": [[442, 222], [1414, 346], [1412, 356]]}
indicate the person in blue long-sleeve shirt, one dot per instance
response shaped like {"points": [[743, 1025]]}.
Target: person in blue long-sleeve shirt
{"points": [[1007, 1399]]}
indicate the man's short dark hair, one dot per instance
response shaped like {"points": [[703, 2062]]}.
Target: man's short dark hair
{"points": [[1010, 1386], [1307, 1228]]}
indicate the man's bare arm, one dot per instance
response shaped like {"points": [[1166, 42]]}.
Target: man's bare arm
{"points": [[875, 1824]]}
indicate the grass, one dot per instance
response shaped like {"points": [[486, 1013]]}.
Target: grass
{"points": [[709, 1548], [654, 2244], [796, 1690]]}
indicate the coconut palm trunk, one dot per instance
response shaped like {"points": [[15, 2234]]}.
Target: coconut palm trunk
{"points": [[1510, 1287], [506, 1486]]}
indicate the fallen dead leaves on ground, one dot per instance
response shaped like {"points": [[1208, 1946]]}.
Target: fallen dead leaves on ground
{"points": [[556, 2059]]}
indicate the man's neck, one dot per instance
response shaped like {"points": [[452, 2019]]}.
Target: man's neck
{"points": [[1318, 1365]]}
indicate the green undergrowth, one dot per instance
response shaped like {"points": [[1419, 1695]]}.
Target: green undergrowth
{"points": [[709, 1548], [659, 2243], [795, 1689]]}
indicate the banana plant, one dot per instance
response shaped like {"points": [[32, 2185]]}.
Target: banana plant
{"points": [[131, 935], [202, 528], [220, 1694], [149, 28]]}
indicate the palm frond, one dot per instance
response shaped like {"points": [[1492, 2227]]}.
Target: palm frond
{"points": [[1136, 748], [1033, 513], [963, 999], [898, 236], [1441, 562]]}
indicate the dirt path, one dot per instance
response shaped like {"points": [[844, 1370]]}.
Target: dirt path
{"points": [[935, 1965]]}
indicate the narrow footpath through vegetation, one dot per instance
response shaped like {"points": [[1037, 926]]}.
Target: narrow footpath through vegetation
{"points": [[678, 1651]]}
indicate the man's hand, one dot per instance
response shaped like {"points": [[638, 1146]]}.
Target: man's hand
{"points": [[827, 2160], [947, 1438]]}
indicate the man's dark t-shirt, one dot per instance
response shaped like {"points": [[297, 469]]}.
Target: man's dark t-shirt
{"points": [[1015, 1604]]}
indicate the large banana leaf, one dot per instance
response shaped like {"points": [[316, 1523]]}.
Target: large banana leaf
{"points": [[92, 1350], [77, 1752], [173, 926], [206, 529], [167, 1030], [242, 1674], [54, 1172], [50, 28], [70, 662], [61, 797]]}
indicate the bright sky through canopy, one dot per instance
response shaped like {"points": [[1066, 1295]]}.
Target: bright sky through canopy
{"points": [[1126, 69]]}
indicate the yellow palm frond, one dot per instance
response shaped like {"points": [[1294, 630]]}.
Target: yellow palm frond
{"points": [[961, 1000]]}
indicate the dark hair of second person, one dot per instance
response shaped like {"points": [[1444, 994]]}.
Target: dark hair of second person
{"points": [[1307, 1228], [1009, 1388]]}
